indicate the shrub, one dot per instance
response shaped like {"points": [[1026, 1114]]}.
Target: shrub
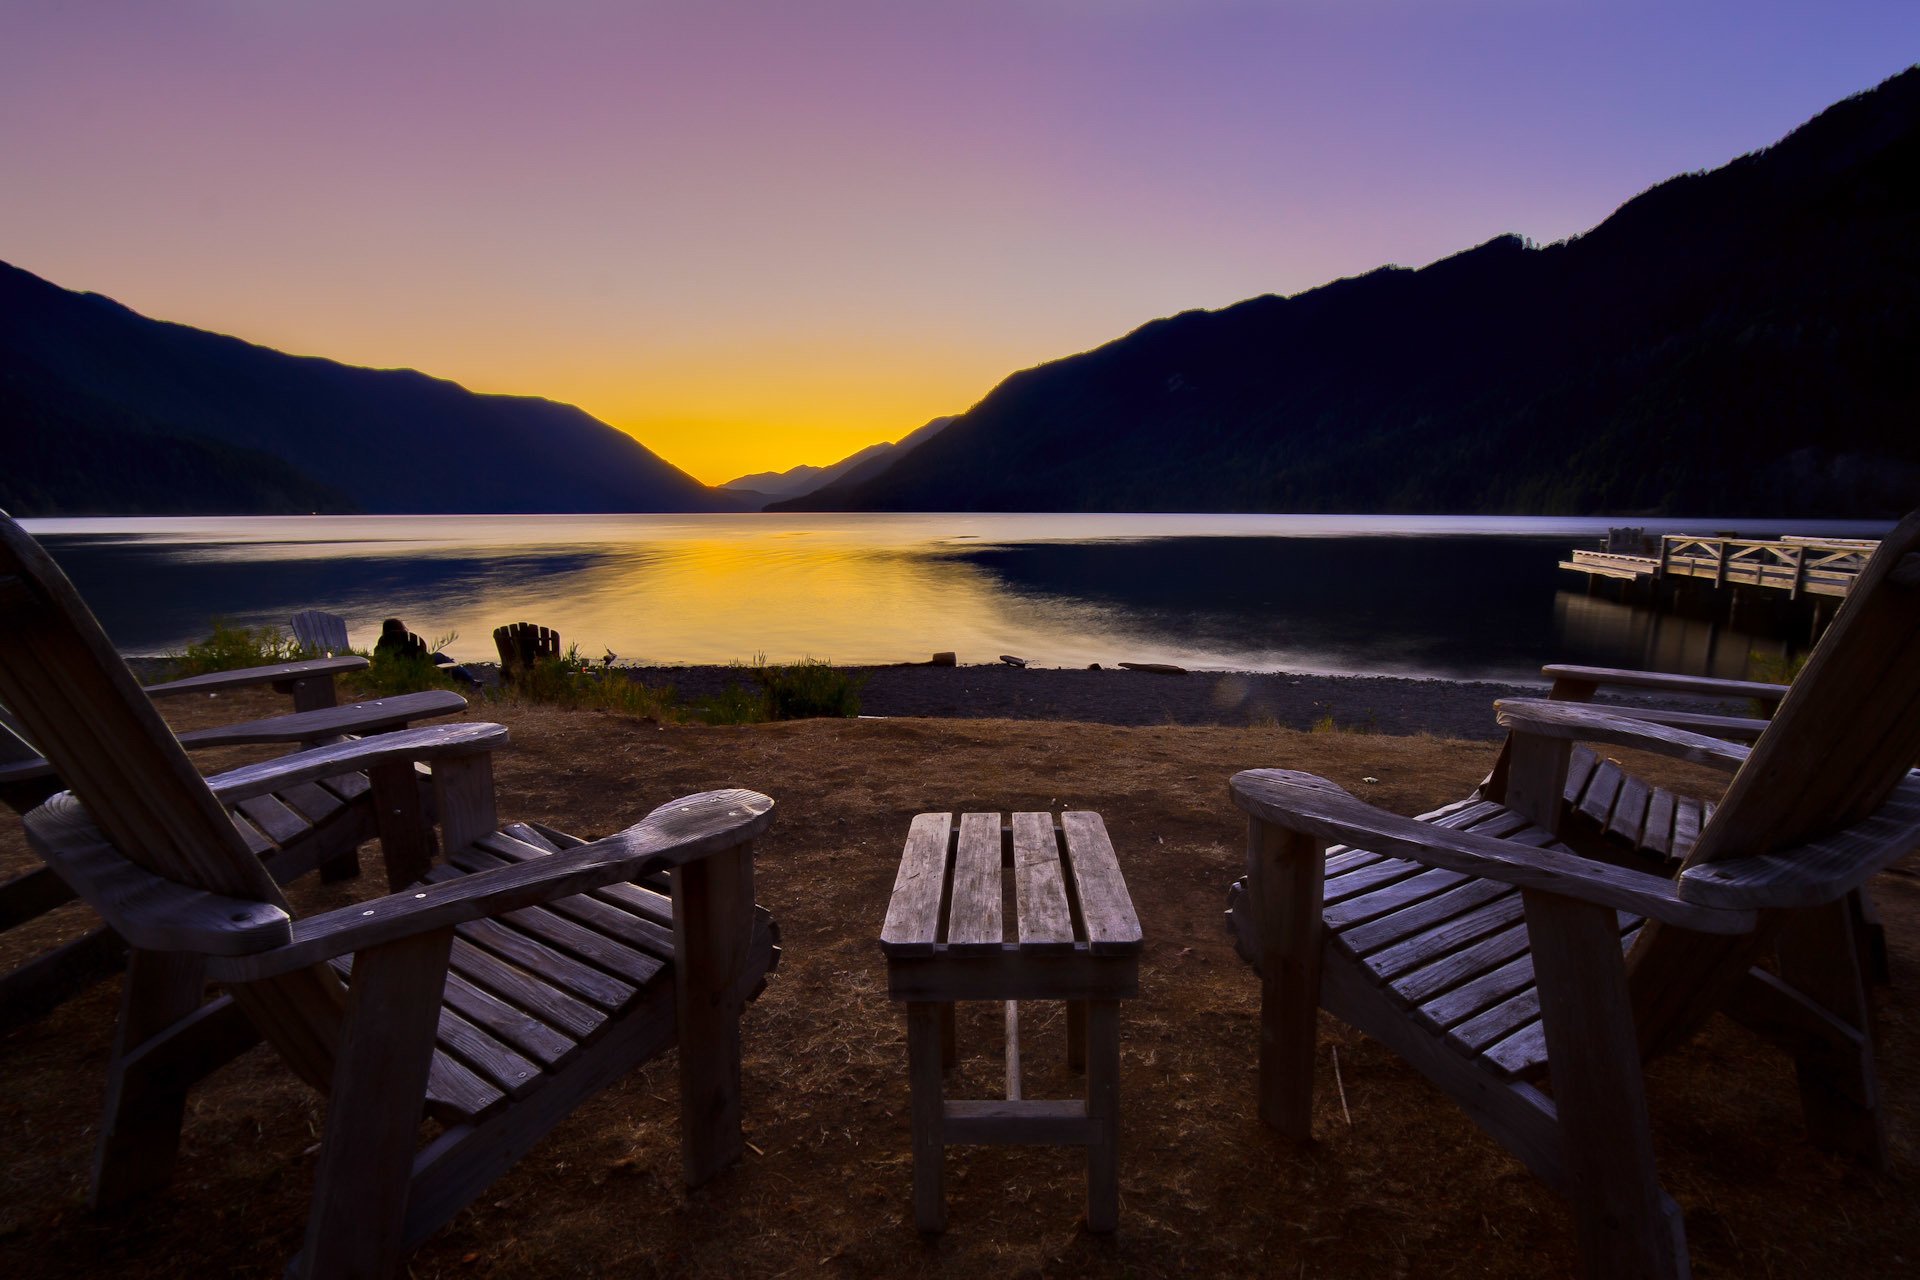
{"points": [[230, 648], [732, 705], [571, 681], [810, 687]]}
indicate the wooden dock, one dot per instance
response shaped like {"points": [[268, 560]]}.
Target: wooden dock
{"points": [[1798, 566]]}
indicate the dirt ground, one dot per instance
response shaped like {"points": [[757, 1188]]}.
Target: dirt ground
{"points": [[1397, 1182]]}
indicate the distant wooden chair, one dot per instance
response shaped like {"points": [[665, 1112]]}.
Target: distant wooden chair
{"points": [[321, 634], [1497, 961], [493, 991], [522, 645], [294, 830]]}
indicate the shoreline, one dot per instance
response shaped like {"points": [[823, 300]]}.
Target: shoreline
{"points": [[1393, 705], [1397, 705]]}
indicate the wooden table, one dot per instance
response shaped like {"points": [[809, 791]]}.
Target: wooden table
{"points": [[1074, 937]]}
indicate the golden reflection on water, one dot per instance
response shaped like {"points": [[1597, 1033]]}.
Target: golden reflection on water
{"points": [[1234, 593]]}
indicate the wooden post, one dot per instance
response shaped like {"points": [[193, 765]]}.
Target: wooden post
{"points": [[1820, 958], [929, 1121], [1103, 1114], [1537, 778], [713, 942], [1627, 1226], [406, 837], [140, 1135], [374, 1108], [463, 792], [1286, 885]]}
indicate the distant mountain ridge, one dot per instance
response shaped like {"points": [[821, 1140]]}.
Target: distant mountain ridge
{"points": [[797, 481], [1737, 342], [108, 412]]}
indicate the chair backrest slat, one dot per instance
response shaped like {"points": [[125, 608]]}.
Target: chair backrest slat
{"points": [[320, 633], [1848, 729], [81, 706], [78, 702], [1845, 734]]}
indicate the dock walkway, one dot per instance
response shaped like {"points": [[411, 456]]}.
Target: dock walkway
{"points": [[1798, 566]]}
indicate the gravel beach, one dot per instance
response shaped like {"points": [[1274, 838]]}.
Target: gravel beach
{"points": [[1375, 704]]}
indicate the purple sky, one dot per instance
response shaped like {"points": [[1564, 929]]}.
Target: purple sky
{"points": [[761, 232]]}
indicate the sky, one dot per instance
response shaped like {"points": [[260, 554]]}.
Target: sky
{"points": [[757, 233]]}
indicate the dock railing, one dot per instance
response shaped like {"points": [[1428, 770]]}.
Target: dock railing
{"points": [[1796, 565]]}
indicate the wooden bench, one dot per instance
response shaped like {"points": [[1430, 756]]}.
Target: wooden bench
{"points": [[1074, 937]]}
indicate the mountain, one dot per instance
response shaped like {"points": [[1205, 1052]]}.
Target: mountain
{"points": [[870, 461], [108, 412], [1737, 342]]}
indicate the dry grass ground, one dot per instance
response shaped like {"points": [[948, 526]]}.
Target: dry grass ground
{"points": [[1406, 1187]]}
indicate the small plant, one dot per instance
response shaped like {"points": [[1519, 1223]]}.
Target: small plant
{"points": [[570, 680], [389, 673], [229, 648], [810, 687], [732, 705], [1773, 668]]}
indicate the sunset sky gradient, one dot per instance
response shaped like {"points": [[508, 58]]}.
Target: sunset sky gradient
{"points": [[754, 233]]}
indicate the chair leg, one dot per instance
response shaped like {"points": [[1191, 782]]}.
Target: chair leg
{"points": [[1286, 881], [374, 1109], [140, 1132], [713, 943], [1627, 1226], [1820, 957]]}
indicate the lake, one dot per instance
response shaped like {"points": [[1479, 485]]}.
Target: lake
{"points": [[1461, 597]]}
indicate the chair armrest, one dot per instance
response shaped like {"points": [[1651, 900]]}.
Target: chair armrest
{"points": [[25, 770], [678, 832], [1819, 871], [1733, 728], [1581, 722], [375, 716], [279, 673], [1305, 803], [436, 743], [150, 911], [1579, 682]]}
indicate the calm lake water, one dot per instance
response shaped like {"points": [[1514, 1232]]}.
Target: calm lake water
{"points": [[1476, 597]]}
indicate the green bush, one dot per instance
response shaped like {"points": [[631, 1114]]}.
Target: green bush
{"points": [[810, 687], [732, 705], [571, 681], [230, 648]]}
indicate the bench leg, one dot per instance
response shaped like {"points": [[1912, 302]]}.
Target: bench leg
{"points": [[924, 1040], [1076, 1035], [1103, 1114]]}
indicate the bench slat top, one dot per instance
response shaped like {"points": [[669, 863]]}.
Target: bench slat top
{"points": [[1068, 894]]}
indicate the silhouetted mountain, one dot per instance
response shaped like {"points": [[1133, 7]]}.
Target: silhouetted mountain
{"points": [[108, 412], [1735, 342], [769, 486]]}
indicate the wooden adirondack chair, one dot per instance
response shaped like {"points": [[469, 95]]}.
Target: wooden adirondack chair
{"points": [[521, 645], [1529, 982], [294, 830], [320, 633], [491, 992]]}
